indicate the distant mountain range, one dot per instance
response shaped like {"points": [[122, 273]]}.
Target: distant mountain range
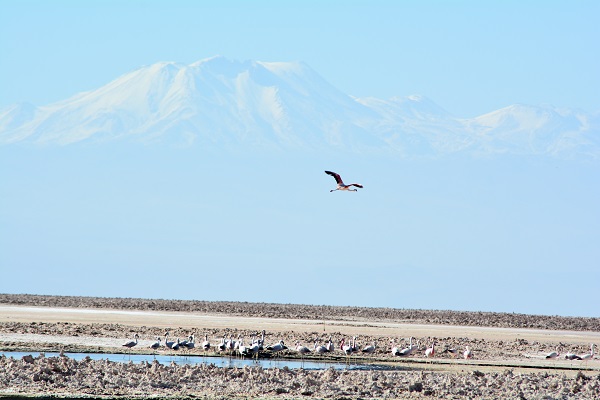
{"points": [[287, 105]]}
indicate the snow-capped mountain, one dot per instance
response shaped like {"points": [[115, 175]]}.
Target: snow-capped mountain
{"points": [[219, 102]]}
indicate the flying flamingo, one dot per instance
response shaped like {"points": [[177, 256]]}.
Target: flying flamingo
{"points": [[341, 185]]}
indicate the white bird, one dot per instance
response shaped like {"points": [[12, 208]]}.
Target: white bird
{"points": [[395, 350], [243, 350], [552, 355], [430, 352], [232, 344], [571, 356], [341, 185], [330, 346], [223, 345], [468, 353], [190, 343], [167, 343], [407, 351], [277, 347], [346, 348], [132, 343], [302, 349], [354, 347], [206, 343], [370, 349], [254, 349], [156, 344], [590, 355], [320, 348], [183, 343]]}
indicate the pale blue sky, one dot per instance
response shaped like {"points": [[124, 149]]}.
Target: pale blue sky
{"points": [[471, 57], [506, 234]]}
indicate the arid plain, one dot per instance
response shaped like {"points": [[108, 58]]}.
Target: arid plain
{"points": [[508, 360]]}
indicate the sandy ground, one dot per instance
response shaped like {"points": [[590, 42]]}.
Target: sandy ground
{"points": [[195, 321], [501, 354]]}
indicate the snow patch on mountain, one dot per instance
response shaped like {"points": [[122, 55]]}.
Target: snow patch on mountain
{"points": [[287, 105]]}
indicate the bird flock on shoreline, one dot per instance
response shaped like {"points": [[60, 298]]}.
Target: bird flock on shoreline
{"points": [[231, 345]]}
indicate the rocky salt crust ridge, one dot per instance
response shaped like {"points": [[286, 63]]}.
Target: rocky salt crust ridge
{"points": [[298, 311], [62, 376]]}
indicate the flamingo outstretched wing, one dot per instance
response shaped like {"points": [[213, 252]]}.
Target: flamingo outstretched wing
{"points": [[337, 177]]}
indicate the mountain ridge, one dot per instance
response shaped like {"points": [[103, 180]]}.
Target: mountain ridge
{"points": [[287, 105]]}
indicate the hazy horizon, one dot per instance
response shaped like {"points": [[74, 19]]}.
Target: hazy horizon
{"points": [[501, 232]]}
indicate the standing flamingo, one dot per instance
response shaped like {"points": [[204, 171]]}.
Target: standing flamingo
{"points": [[330, 346], [341, 185], [407, 351], [167, 343], [156, 344], [206, 343], [320, 349], [370, 349], [132, 343], [242, 350], [222, 346], [346, 348], [302, 349], [430, 352], [468, 353], [277, 347], [395, 350]]}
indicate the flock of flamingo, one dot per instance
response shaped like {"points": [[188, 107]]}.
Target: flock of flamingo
{"points": [[256, 345]]}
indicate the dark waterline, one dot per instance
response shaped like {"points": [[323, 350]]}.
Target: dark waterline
{"points": [[220, 362]]}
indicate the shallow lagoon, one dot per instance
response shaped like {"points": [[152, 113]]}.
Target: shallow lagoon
{"points": [[221, 362]]}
